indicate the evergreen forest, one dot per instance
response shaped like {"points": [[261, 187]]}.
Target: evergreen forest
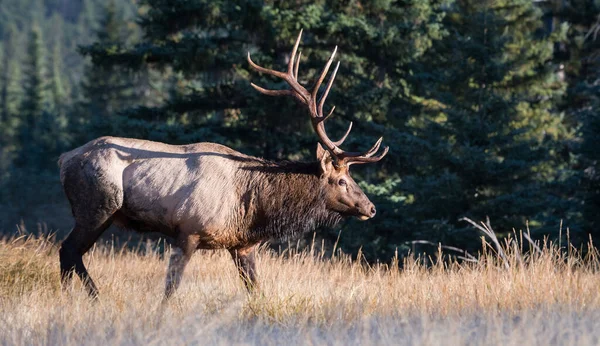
{"points": [[490, 107]]}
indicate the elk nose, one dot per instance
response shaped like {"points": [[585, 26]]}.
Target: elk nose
{"points": [[373, 211]]}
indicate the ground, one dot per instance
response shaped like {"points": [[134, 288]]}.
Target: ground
{"points": [[544, 298]]}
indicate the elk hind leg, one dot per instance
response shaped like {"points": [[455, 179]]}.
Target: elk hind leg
{"points": [[79, 241], [94, 196], [245, 261]]}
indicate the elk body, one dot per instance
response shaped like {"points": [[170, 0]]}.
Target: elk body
{"points": [[206, 195]]}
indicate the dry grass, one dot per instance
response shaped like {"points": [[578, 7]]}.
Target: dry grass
{"points": [[548, 297]]}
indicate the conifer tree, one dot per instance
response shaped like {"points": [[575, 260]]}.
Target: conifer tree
{"points": [[10, 93], [35, 98], [4, 138], [28, 154], [52, 135], [487, 126], [88, 19], [34, 79], [208, 41], [582, 103], [57, 87], [10, 76], [107, 89], [2, 81]]}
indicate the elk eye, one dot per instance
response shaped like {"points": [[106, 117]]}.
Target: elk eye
{"points": [[342, 182]]}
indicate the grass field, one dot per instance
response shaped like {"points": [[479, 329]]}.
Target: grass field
{"points": [[550, 296]]}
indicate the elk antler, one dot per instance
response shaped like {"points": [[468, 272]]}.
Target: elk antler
{"points": [[341, 157]]}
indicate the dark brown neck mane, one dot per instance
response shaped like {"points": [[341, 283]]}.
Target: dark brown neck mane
{"points": [[289, 199]]}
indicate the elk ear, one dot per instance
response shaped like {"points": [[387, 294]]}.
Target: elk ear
{"points": [[324, 158]]}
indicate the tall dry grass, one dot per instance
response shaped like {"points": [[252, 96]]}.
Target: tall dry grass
{"points": [[550, 295]]}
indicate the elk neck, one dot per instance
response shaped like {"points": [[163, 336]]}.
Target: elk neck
{"points": [[285, 199]]}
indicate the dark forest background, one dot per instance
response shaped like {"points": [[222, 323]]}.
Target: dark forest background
{"points": [[490, 108]]}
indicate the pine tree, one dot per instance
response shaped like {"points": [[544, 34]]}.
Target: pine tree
{"points": [[10, 97], [57, 73], [88, 20], [4, 127], [591, 161], [28, 154], [35, 98], [581, 104], [2, 81], [10, 75], [57, 87], [52, 130], [208, 41], [488, 126], [107, 89]]}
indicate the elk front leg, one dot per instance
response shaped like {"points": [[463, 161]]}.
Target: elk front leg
{"points": [[245, 261], [180, 256]]}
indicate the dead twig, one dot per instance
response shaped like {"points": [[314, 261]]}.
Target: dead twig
{"points": [[486, 228], [466, 255]]}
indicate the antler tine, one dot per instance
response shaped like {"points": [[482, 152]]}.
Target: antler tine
{"points": [[291, 64], [363, 159], [374, 148], [266, 70], [297, 64], [316, 111], [341, 158], [272, 92], [348, 158], [322, 77], [324, 96], [298, 91], [330, 113], [341, 140]]}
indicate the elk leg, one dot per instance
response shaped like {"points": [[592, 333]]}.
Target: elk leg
{"points": [[95, 195], [245, 261], [71, 252], [180, 256]]}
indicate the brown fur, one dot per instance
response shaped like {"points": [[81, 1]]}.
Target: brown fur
{"points": [[203, 195]]}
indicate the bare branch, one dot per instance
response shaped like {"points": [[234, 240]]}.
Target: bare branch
{"points": [[486, 228]]}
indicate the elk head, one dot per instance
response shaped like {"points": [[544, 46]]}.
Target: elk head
{"points": [[342, 193]]}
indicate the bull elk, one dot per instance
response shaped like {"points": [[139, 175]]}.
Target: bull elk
{"points": [[208, 196]]}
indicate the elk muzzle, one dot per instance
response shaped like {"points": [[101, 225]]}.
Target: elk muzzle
{"points": [[367, 211]]}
